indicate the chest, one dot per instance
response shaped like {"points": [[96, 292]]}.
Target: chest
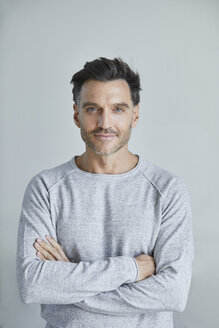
{"points": [[107, 221]]}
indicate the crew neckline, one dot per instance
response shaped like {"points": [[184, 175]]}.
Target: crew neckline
{"points": [[106, 175]]}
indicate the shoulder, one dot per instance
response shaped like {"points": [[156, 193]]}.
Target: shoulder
{"points": [[163, 180], [173, 191], [48, 178]]}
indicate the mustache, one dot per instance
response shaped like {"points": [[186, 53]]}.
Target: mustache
{"points": [[105, 132]]}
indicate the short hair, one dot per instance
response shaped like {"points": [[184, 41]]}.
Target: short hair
{"points": [[105, 69]]}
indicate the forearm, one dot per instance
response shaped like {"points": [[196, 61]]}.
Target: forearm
{"points": [[168, 289], [157, 293], [59, 282]]}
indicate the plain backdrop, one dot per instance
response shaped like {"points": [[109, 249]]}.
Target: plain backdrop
{"points": [[174, 47]]}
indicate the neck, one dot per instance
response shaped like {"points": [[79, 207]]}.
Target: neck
{"points": [[116, 163]]}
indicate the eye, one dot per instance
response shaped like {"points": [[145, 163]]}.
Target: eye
{"points": [[120, 108], [90, 108]]}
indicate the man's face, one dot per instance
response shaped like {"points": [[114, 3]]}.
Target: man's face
{"points": [[106, 108]]}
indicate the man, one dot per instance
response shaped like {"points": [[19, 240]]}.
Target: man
{"points": [[116, 245]]}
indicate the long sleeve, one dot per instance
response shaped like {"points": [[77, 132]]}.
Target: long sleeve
{"points": [[168, 289], [59, 282]]}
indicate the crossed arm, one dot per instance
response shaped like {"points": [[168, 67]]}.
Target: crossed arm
{"points": [[165, 291]]}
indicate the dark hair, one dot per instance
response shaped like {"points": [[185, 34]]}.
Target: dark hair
{"points": [[104, 69]]}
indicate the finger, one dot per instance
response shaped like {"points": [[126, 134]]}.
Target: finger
{"points": [[47, 255], [56, 245], [40, 256], [50, 250]]}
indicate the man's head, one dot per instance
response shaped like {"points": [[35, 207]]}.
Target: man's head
{"points": [[104, 69], [106, 95]]}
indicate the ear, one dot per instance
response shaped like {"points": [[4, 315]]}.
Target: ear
{"points": [[75, 115], [135, 116]]}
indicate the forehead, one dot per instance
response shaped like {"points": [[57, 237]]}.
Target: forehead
{"points": [[97, 90]]}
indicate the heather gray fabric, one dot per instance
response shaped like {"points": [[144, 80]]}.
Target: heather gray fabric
{"points": [[102, 221]]}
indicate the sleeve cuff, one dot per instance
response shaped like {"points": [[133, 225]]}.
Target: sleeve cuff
{"points": [[136, 269], [132, 269]]}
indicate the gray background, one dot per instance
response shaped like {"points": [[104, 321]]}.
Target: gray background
{"points": [[174, 47]]}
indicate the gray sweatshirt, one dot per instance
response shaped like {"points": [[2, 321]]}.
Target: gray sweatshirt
{"points": [[102, 221]]}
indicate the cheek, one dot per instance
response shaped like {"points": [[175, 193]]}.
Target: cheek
{"points": [[122, 122], [88, 123]]}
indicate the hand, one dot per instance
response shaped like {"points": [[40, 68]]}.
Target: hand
{"points": [[52, 251], [146, 266]]}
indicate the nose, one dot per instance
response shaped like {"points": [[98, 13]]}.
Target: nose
{"points": [[105, 119]]}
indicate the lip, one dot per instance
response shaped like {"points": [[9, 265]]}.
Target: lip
{"points": [[105, 136]]}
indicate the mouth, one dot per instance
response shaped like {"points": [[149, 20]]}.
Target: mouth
{"points": [[105, 136]]}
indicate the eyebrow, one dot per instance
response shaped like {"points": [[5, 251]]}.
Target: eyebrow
{"points": [[88, 103]]}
